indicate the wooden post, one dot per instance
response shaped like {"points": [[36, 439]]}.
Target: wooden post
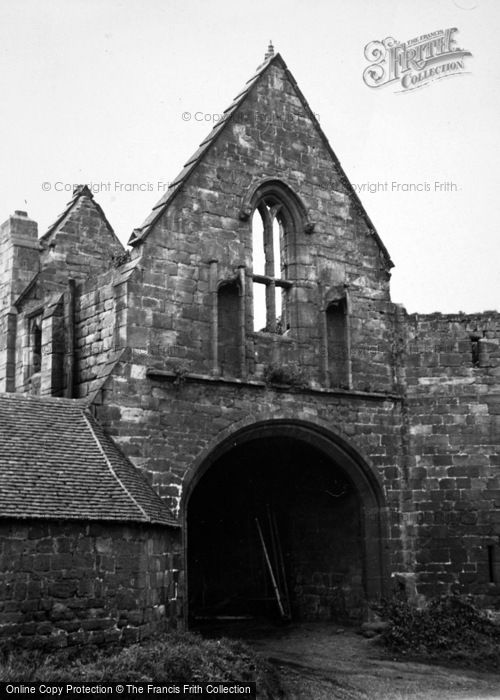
{"points": [[271, 572]]}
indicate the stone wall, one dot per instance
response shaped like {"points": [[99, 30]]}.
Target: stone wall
{"points": [[204, 240], [72, 583], [329, 580], [166, 424], [97, 328], [193, 286], [453, 381], [169, 339], [80, 245]]}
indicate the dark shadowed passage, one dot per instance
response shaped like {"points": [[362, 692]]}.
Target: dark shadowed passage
{"points": [[275, 530]]}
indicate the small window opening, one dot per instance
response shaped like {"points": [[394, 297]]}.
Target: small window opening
{"points": [[259, 307], [336, 325], [277, 248], [475, 350], [493, 563], [228, 332], [259, 256], [35, 344]]}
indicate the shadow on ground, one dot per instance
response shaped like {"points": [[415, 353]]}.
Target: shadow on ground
{"points": [[328, 662]]}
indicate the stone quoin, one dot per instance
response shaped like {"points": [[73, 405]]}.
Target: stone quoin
{"points": [[231, 418]]}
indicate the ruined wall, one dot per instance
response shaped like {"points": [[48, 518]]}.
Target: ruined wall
{"points": [[100, 326], [95, 330], [80, 244], [80, 330], [203, 240], [176, 308], [71, 583], [165, 424], [34, 276], [453, 381], [418, 397]]}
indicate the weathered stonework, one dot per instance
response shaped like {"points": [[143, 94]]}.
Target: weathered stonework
{"points": [[453, 388], [370, 436], [68, 584]]}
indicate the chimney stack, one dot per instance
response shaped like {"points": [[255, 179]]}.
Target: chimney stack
{"points": [[19, 262]]}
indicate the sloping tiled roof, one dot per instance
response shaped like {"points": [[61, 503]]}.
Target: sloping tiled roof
{"points": [[56, 462], [141, 232]]}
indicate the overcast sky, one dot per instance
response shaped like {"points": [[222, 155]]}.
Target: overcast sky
{"points": [[95, 91]]}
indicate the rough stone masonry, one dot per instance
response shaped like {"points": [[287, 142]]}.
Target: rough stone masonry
{"points": [[312, 444]]}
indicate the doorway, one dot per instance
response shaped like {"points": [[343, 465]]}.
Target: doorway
{"points": [[279, 527]]}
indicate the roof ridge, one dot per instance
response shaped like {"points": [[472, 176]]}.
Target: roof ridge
{"points": [[139, 233], [111, 469], [77, 403]]}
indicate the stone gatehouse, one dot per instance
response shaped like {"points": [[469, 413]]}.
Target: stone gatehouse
{"points": [[232, 418]]}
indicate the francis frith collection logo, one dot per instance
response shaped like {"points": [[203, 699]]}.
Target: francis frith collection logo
{"points": [[414, 63]]}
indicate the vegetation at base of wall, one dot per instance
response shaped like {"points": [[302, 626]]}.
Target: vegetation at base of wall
{"points": [[284, 374], [449, 630], [173, 658]]}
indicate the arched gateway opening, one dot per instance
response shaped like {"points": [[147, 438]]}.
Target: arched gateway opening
{"points": [[284, 520]]}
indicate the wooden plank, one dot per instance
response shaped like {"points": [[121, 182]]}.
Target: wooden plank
{"points": [[271, 572]]}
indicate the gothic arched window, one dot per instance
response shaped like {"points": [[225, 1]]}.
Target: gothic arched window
{"points": [[271, 239]]}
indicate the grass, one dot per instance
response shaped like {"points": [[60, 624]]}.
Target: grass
{"points": [[172, 658]]}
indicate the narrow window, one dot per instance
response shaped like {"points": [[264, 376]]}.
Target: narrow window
{"points": [[279, 273], [259, 307], [259, 256], [337, 343], [35, 343], [269, 267], [475, 350], [493, 563], [228, 331]]}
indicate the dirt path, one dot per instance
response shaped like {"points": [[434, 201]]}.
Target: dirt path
{"points": [[319, 662]]}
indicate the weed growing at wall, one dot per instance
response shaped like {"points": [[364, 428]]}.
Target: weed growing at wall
{"points": [[449, 629], [284, 374]]}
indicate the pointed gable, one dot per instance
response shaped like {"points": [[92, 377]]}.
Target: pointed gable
{"points": [[81, 242], [271, 100]]}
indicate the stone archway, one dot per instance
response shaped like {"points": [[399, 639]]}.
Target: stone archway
{"points": [[283, 517]]}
